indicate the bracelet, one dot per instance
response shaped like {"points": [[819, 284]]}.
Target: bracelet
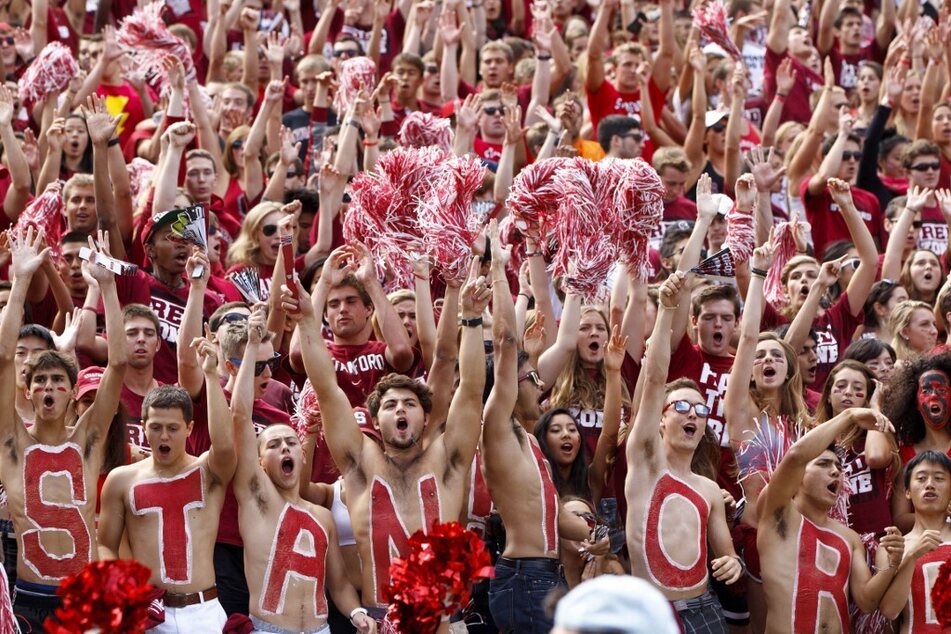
{"points": [[783, 95], [113, 141], [370, 143], [420, 277], [356, 611], [758, 272], [471, 323], [525, 295], [355, 124], [543, 58], [532, 254], [90, 309]]}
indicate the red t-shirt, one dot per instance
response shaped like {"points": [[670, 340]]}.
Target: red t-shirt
{"points": [[934, 230], [133, 406], [796, 106], [846, 67], [607, 100], [124, 102], [869, 506], [262, 415], [487, 151], [169, 306], [711, 374], [679, 209], [827, 222], [834, 330], [391, 38], [359, 368]]}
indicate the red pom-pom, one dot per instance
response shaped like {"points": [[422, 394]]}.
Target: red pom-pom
{"points": [[585, 226], [446, 219], [512, 237], [384, 209], [711, 19], [45, 212], [773, 287], [534, 197], [107, 596], [8, 623], [49, 73], [307, 412], [941, 595], [356, 74], [433, 579], [147, 39], [140, 171], [639, 205], [420, 129], [740, 236]]}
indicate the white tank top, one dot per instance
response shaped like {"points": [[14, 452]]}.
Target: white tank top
{"points": [[341, 518]]}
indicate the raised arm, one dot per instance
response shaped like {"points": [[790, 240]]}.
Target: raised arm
{"points": [[799, 328], [833, 160], [99, 415], [190, 375], [463, 425], [221, 455], [607, 440], [446, 353], [174, 142], [253, 170], [554, 360], [914, 203], [450, 33], [737, 402], [242, 404], [864, 277], [597, 43], [20, 176], [693, 144], [777, 37], [344, 439]]}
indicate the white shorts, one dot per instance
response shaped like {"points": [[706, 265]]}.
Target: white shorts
{"points": [[263, 627], [193, 619]]}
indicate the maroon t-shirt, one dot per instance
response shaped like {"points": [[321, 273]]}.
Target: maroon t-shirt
{"points": [[711, 374], [133, 406], [934, 230], [846, 66], [391, 38], [834, 330], [869, 505], [169, 306], [827, 222], [679, 210], [262, 415], [796, 106], [359, 368]]}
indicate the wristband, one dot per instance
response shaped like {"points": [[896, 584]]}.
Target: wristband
{"points": [[525, 295], [370, 143], [113, 141], [471, 323], [758, 272], [543, 58], [356, 611], [779, 94], [354, 124]]}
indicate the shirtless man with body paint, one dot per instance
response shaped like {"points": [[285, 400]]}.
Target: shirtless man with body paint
{"points": [[928, 545], [169, 503], [673, 513], [811, 563], [519, 478], [50, 470], [291, 555], [393, 492]]}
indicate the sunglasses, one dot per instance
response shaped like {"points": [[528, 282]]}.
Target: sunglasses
{"points": [[8, 40], [237, 144], [432, 69], [924, 167], [637, 136], [347, 53], [853, 156], [684, 407], [917, 224], [228, 318], [493, 110], [718, 126], [269, 230], [213, 230], [533, 376], [291, 174], [260, 365]]}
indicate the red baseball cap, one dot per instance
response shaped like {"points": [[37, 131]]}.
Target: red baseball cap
{"points": [[88, 380]]}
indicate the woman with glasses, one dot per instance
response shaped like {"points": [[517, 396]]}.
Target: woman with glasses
{"points": [[765, 412], [257, 246]]}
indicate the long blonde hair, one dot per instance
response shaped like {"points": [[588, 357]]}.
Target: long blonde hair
{"points": [[898, 321], [575, 387], [245, 248], [791, 403]]}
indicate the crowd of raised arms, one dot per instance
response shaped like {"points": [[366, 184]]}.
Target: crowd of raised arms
{"points": [[748, 410]]}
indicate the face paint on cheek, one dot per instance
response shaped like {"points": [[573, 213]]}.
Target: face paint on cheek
{"points": [[933, 399], [60, 389]]}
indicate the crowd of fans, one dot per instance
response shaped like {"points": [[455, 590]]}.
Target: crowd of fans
{"points": [[765, 441]]}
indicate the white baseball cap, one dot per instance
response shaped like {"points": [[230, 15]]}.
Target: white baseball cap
{"points": [[616, 603]]}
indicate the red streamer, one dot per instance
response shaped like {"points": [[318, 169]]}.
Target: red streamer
{"points": [[49, 73], [534, 197], [105, 596], [356, 74], [421, 129], [941, 595], [147, 39], [639, 204], [307, 412], [140, 171], [740, 237], [446, 219], [774, 292], [433, 579], [711, 19], [45, 212]]}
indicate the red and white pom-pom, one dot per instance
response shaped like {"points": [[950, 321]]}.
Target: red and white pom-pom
{"points": [[421, 129], [140, 171], [710, 18], [941, 595], [639, 205], [147, 39], [49, 73], [512, 237], [306, 415], [384, 205], [739, 234], [8, 623], [356, 74], [584, 229], [534, 197], [446, 219], [45, 212], [774, 293]]}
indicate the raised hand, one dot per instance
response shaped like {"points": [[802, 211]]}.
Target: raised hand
{"points": [[476, 293], [98, 272], [467, 113], [289, 150], [101, 125], [512, 120], [176, 72], [745, 191], [706, 205], [764, 254], [449, 29], [365, 269], [66, 341], [6, 106], [533, 341], [669, 294], [23, 43], [257, 324], [31, 150], [275, 91], [196, 259], [250, 19], [829, 271], [917, 198], [616, 350], [56, 134], [764, 174], [895, 84], [27, 250], [180, 134], [338, 265], [785, 77], [509, 95], [944, 200], [207, 354], [841, 193]]}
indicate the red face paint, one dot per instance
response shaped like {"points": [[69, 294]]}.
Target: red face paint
{"points": [[664, 571], [41, 461], [921, 610], [933, 398], [171, 499], [388, 534], [814, 582], [480, 500], [549, 501], [60, 388], [299, 551]]}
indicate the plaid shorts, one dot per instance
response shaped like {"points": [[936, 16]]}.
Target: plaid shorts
{"points": [[701, 615]]}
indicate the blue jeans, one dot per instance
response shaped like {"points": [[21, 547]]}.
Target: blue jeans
{"points": [[517, 594]]}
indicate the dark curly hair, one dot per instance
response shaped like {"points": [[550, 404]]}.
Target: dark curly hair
{"points": [[901, 398]]}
